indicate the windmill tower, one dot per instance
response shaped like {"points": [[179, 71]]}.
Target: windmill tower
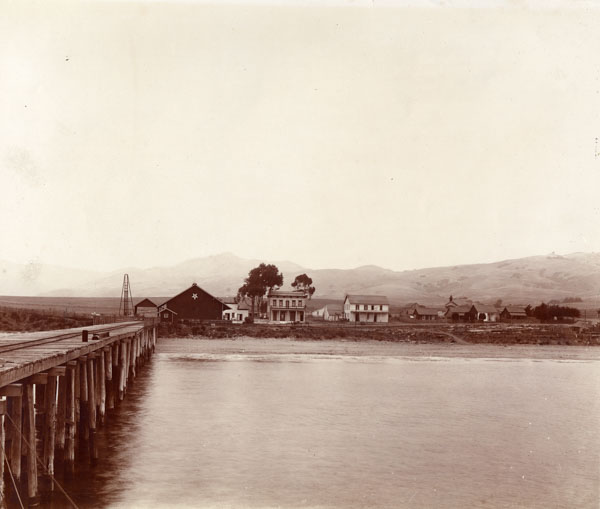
{"points": [[126, 305]]}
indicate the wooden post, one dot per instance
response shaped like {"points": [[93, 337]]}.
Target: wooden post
{"points": [[14, 397], [77, 394], [32, 480], [12, 423], [3, 456], [127, 361], [101, 381], [108, 361], [122, 368], [39, 406], [84, 413], [92, 407], [49, 435], [133, 356], [61, 415], [70, 421], [91, 390]]}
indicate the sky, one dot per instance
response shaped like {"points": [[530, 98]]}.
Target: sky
{"points": [[338, 134]]}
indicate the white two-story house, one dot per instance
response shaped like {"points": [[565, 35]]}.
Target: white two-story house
{"points": [[286, 306], [366, 308]]}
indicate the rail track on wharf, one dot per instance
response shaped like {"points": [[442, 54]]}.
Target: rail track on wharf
{"points": [[55, 390]]}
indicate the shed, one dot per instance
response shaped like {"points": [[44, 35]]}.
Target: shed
{"points": [[513, 313], [145, 307], [484, 312]]}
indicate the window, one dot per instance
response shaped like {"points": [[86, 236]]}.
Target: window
{"points": [[293, 303], [280, 303], [287, 303], [274, 302], [372, 307]]}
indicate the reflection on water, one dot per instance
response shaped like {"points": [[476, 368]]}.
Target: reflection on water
{"points": [[331, 431]]}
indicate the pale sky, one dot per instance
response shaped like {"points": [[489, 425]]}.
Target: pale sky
{"points": [[147, 133]]}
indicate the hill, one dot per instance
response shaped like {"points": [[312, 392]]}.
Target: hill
{"points": [[522, 280]]}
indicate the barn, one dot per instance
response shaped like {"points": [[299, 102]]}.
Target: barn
{"points": [[145, 307], [194, 303]]}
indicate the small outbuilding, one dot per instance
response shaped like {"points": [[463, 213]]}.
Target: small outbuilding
{"points": [[332, 313], [237, 312], [146, 307], [484, 313], [424, 313], [513, 313], [458, 313], [167, 315]]}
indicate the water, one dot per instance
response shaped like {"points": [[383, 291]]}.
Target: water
{"points": [[307, 430]]}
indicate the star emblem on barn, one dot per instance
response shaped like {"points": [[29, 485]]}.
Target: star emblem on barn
{"points": [[194, 296]]}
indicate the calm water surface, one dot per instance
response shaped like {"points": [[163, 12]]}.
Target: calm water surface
{"points": [[231, 430]]}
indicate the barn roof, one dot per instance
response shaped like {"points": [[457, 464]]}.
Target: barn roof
{"points": [[194, 285], [367, 299], [145, 303]]}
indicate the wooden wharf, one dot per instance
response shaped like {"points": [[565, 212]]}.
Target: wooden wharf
{"points": [[55, 390]]}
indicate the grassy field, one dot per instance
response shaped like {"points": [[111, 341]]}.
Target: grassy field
{"points": [[22, 320], [438, 332]]}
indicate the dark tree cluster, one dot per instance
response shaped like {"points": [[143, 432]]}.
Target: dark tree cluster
{"points": [[259, 280], [264, 278], [545, 312], [303, 282]]}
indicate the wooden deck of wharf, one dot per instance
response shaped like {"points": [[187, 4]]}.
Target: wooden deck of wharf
{"points": [[55, 389]]}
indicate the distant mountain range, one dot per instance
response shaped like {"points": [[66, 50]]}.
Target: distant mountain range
{"points": [[522, 280]]}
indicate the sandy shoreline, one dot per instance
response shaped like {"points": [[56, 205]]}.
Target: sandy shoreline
{"points": [[249, 346]]}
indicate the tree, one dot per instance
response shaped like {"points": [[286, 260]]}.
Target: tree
{"points": [[303, 282], [544, 312], [498, 303], [259, 280]]}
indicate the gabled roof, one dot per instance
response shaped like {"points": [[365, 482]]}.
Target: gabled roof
{"points": [[169, 310], [515, 310], [145, 303], [484, 308], [333, 310], [458, 302], [244, 304], [458, 309], [421, 310], [194, 285], [367, 299]]}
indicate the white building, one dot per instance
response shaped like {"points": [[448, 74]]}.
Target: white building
{"points": [[237, 312], [332, 313], [319, 313], [366, 308], [286, 306]]}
